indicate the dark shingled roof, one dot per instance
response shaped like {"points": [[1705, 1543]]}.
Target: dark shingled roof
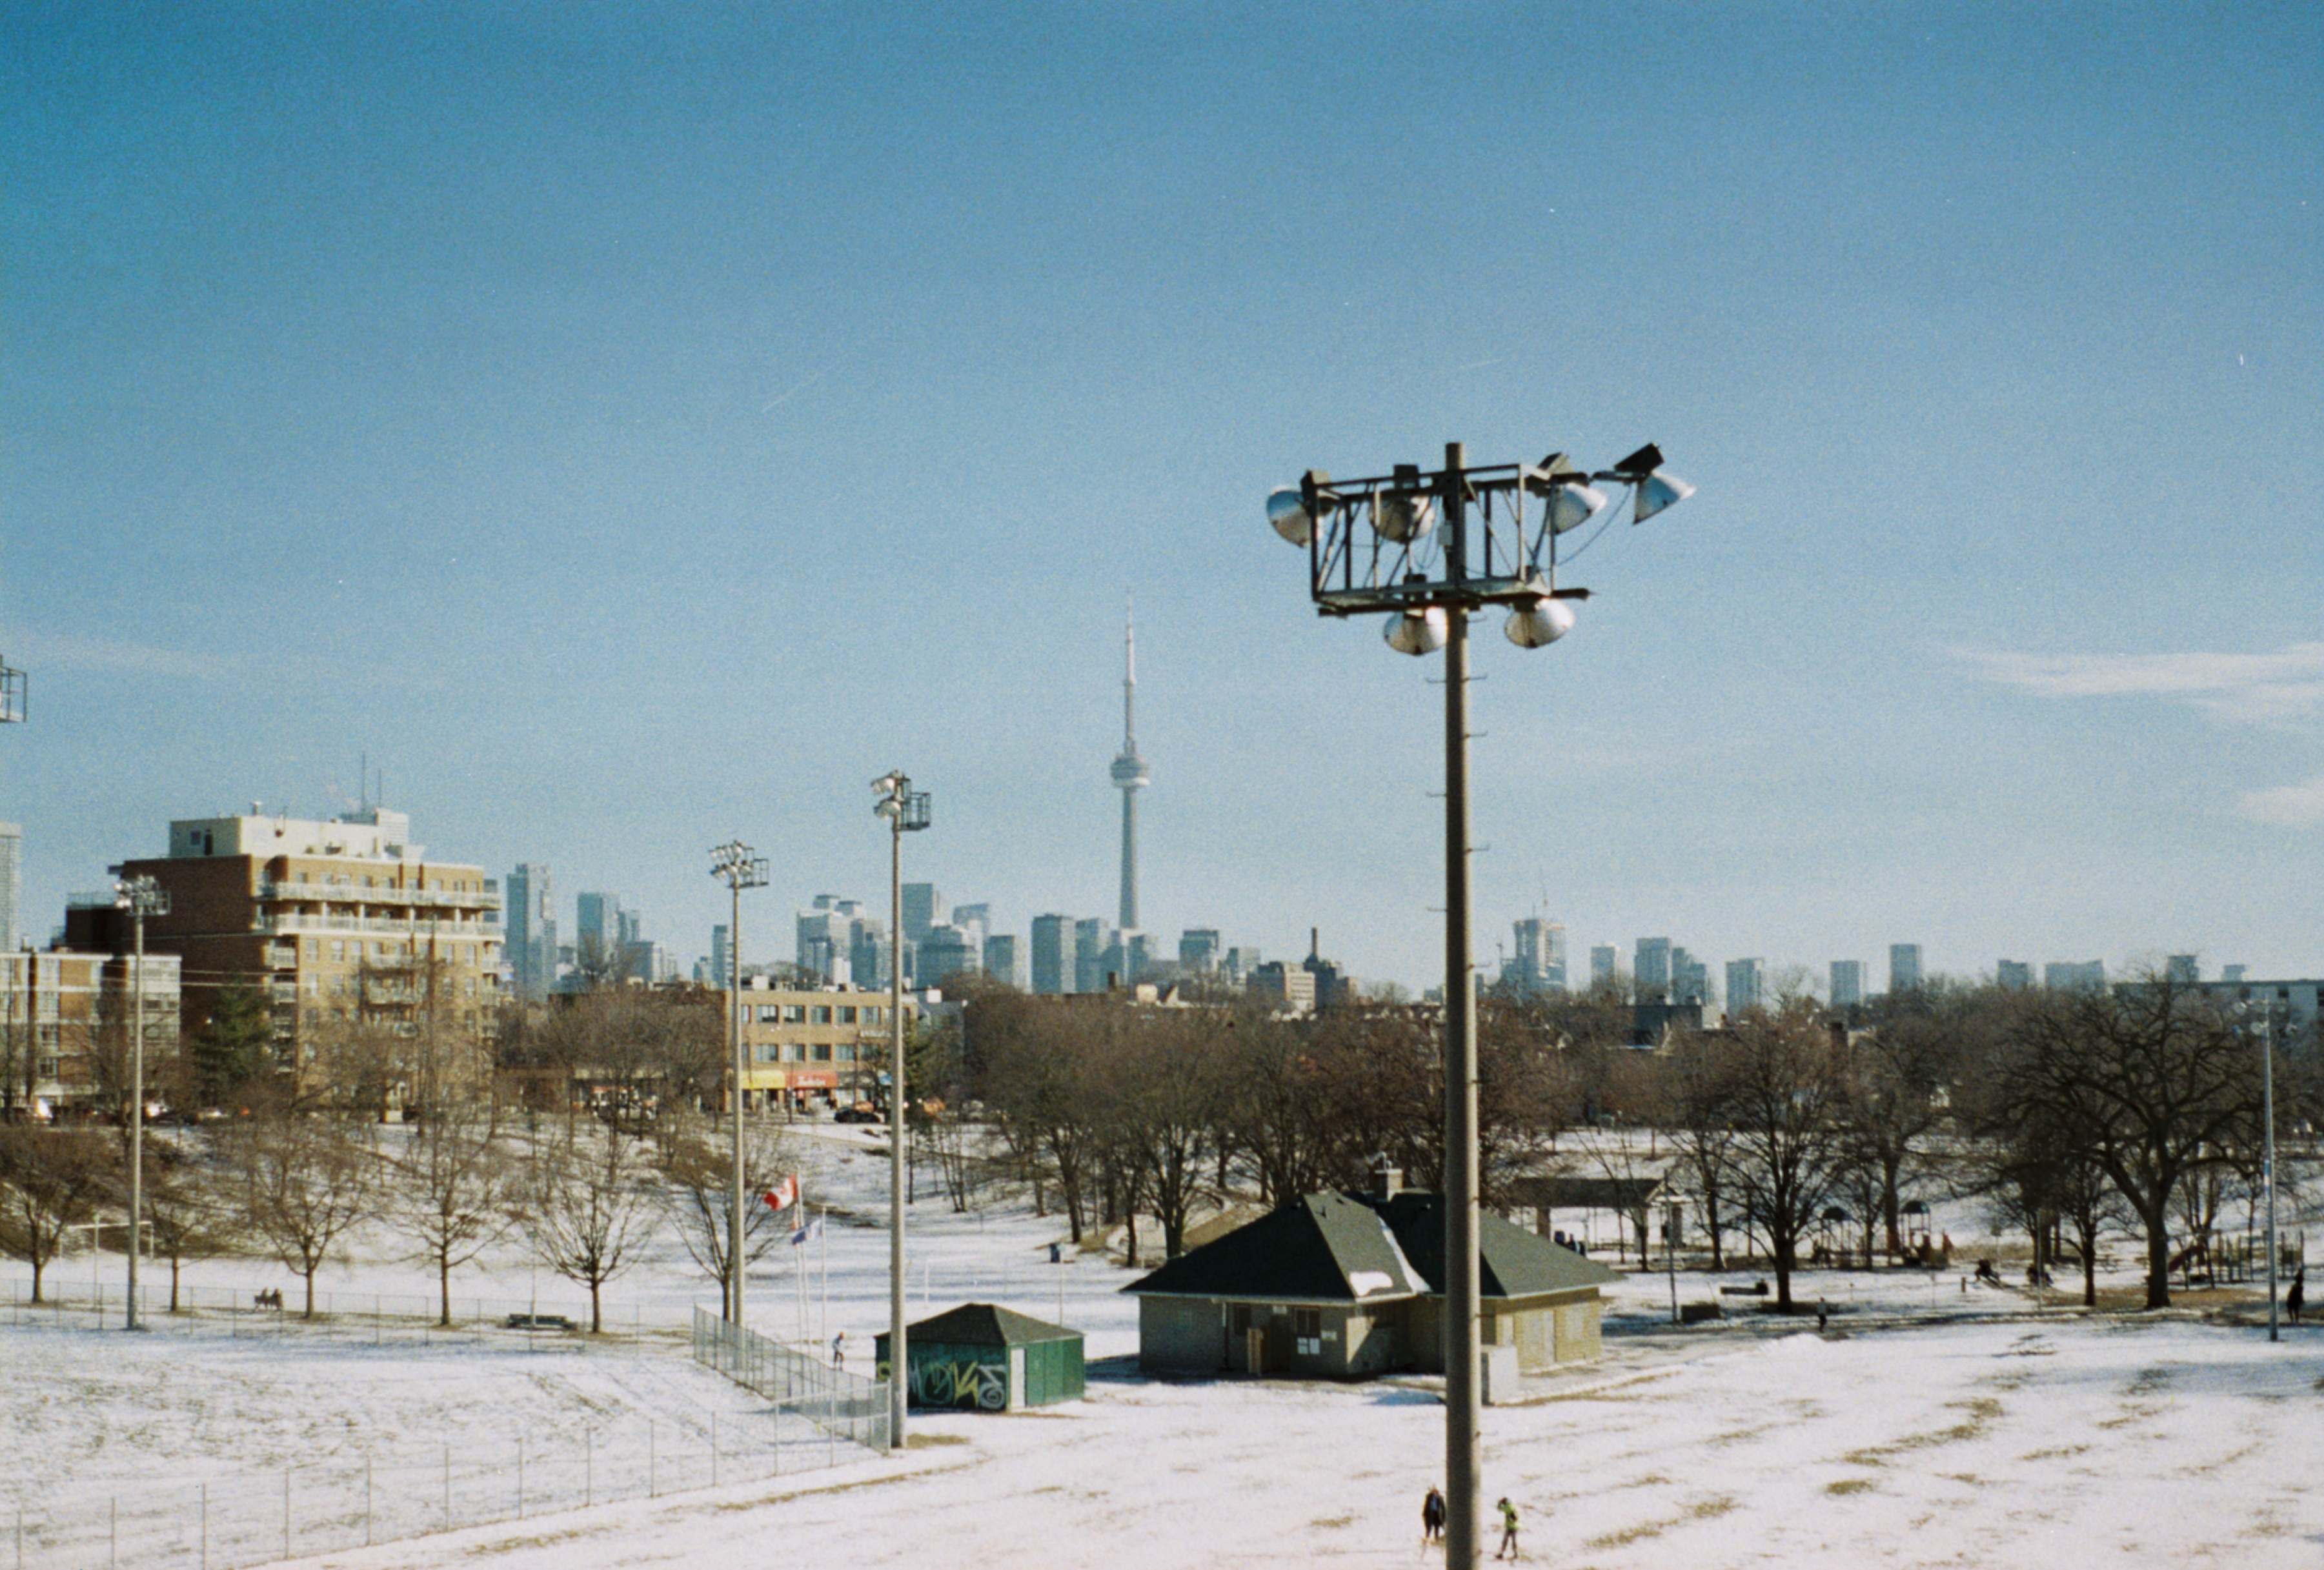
{"points": [[984, 1324], [1316, 1247]]}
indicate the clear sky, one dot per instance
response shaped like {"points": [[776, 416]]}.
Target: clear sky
{"points": [[634, 427]]}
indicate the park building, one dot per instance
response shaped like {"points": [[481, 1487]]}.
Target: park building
{"points": [[342, 927]]}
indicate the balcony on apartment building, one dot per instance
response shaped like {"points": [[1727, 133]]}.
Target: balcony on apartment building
{"points": [[482, 929], [342, 890]]}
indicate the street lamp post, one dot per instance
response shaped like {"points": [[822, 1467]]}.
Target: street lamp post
{"points": [[905, 809], [142, 897], [736, 863], [1372, 546]]}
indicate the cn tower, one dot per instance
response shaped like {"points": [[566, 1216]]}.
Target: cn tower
{"points": [[1129, 774]]}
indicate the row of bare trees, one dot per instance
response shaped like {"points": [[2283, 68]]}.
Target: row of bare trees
{"points": [[587, 1199], [1121, 1110], [2077, 1115]]}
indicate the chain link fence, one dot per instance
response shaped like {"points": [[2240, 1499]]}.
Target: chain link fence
{"points": [[817, 1417], [377, 1317], [847, 1406]]}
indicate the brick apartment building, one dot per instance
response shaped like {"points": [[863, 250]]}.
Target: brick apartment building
{"points": [[65, 1029], [338, 924]]}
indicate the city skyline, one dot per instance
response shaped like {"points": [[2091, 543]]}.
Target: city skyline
{"points": [[383, 383]]}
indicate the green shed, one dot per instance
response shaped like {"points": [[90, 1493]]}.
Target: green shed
{"points": [[986, 1358]]}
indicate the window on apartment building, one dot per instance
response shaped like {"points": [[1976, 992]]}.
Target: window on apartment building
{"points": [[847, 1051], [771, 1013], [794, 1013], [875, 1016], [847, 1014], [822, 1052], [822, 1014], [48, 1070], [766, 1053], [314, 948], [794, 1053]]}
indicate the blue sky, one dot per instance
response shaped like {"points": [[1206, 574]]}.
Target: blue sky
{"points": [[636, 427]]}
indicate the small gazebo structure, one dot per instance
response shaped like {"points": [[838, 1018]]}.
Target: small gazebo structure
{"points": [[983, 1357]]}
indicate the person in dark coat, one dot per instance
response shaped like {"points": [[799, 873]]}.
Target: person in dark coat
{"points": [[2298, 1296], [1432, 1517]]}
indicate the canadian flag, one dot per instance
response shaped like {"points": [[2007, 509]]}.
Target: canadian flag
{"points": [[785, 1194]]}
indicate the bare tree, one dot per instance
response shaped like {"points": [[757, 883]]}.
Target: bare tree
{"points": [[1782, 1084], [190, 1212], [51, 1181], [307, 1180], [450, 1190], [701, 1201], [1161, 1093], [2146, 1082], [1274, 1105], [2041, 1182], [1702, 1131], [1034, 1074], [589, 1210]]}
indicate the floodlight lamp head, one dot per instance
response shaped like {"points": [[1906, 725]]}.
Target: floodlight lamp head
{"points": [[1402, 517], [1540, 624], [1657, 491], [1423, 630], [1289, 514], [1571, 504]]}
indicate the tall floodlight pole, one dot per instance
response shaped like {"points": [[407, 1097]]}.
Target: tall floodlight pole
{"points": [[2263, 1017], [141, 897], [2267, 1116], [1373, 545], [905, 809], [734, 862]]}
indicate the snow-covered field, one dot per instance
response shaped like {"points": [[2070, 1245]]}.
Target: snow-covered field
{"points": [[1930, 1427]]}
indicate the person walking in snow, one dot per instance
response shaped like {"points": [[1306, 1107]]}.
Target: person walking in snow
{"points": [[2298, 1296], [1508, 1548], [839, 1349], [1432, 1517]]}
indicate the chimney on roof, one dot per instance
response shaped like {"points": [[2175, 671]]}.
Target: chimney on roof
{"points": [[1388, 1181]]}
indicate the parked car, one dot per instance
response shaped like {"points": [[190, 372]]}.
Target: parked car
{"points": [[862, 1112]]}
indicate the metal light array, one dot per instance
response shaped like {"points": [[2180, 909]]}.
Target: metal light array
{"points": [[736, 863], [900, 801], [144, 894], [1377, 544], [15, 700]]}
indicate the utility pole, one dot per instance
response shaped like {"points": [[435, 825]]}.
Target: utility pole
{"points": [[142, 897]]}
